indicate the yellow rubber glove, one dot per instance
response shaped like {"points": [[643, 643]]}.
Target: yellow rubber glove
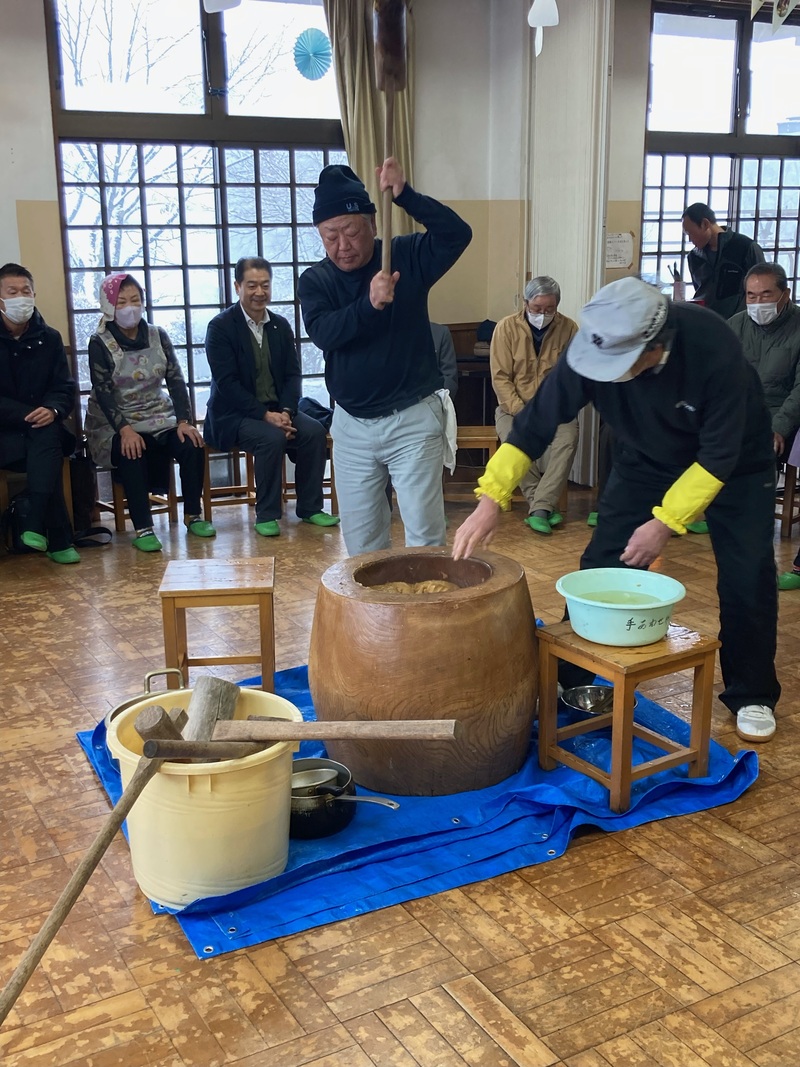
{"points": [[687, 498], [502, 475]]}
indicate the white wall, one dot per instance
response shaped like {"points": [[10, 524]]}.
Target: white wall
{"points": [[29, 201], [451, 130]]}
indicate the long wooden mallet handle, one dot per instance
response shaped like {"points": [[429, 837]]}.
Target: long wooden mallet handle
{"points": [[152, 720], [254, 729]]}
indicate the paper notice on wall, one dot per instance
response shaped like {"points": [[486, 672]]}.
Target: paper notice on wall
{"points": [[781, 10], [619, 251]]}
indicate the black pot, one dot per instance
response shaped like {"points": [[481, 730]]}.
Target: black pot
{"points": [[332, 808]]}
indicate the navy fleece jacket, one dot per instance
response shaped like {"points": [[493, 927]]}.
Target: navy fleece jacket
{"points": [[377, 362]]}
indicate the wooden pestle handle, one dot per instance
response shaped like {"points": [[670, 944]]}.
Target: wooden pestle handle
{"points": [[386, 217], [256, 728], [201, 750]]}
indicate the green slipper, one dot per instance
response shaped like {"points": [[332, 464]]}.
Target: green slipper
{"points": [[147, 543], [555, 519], [592, 520], [321, 518], [33, 540], [538, 524], [268, 529], [65, 555], [697, 527], [789, 580], [201, 528]]}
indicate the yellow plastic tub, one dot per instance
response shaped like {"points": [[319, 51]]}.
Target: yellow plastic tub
{"points": [[204, 829]]}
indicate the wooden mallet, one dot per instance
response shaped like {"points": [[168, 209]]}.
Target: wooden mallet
{"points": [[390, 77]]}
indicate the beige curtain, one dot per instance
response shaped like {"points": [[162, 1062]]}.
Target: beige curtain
{"points": [[363, 106]]}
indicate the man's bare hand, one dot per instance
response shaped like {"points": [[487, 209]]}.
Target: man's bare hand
{"points": [[283, 420], [390, 176], [40, 417], [381, 289], [646, 544], [778, 443], [478, 529]]}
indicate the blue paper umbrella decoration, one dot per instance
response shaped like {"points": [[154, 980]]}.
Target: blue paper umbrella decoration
{"points": [[312, 54]]}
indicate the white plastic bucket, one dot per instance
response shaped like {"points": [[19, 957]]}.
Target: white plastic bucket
{"points": [[642, 615], [204, 829]]}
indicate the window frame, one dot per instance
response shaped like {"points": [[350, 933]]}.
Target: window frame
{"points": [[736, 143], [739, 147], [215, 129]]}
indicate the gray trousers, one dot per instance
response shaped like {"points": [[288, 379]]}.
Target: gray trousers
{"points": [[408, 447], [545, 481]]}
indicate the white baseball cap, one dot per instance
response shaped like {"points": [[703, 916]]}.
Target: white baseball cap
{"points": [[616, 325]]}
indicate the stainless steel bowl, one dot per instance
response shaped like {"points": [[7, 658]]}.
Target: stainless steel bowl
{"points": [[590, 699]]}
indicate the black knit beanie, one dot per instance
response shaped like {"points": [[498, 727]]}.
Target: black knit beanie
{"points": [[340, 192]]}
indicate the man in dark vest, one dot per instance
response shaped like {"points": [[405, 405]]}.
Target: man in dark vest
{"points": [[719, 260], [255, 389]]}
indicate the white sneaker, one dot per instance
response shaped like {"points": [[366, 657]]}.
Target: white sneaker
{"points": [[755, 722]]}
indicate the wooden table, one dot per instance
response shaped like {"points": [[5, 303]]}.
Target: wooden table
{"points": [[625, 668], [215, 583]]}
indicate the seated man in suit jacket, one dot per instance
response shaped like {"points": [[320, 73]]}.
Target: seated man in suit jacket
{"points": [[255, 388]]}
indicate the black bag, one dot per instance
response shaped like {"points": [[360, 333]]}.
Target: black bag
{"points": [[83, 476], [309, 406], [14, 522]]}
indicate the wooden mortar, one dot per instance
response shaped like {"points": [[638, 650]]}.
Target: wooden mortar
{"points": [[469, 655]]}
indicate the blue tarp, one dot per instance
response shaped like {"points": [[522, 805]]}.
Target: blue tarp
{"points": [[435, 843]]}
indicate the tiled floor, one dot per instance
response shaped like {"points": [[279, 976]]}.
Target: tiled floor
{"points": [[677, 943]]}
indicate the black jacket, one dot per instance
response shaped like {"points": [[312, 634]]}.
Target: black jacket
{"points": [[33, 373], [720, 285], [229, 348], [706, 404]]}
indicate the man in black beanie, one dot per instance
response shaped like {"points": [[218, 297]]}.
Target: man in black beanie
{"points": [[380, 363]]}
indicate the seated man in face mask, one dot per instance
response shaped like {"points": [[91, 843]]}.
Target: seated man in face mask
{"points": [[37, 393], [769, 330], [525, 347]]}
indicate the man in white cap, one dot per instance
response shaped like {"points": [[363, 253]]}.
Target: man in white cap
{"points": [[693, 434]]}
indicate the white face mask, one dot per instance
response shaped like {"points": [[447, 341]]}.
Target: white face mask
{"points": [[129, 316], [763, 314], [539, 322], [18, 309]]}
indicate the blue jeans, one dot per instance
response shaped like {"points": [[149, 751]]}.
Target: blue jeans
{"points": [[406, 446]]}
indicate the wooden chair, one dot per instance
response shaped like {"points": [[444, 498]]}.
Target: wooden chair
{"points": [[787, 503], [15, 480], [159, 505], [239, 489], [289, 491]]}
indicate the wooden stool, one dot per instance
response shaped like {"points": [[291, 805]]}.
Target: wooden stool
{"points": [[210, 583], [625, 668]]}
